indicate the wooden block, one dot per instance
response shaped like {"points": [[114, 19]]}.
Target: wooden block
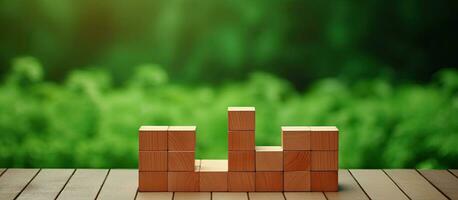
{"points": [[213, 175], [241, 140], [296, 160], [269, 158], [242, 161], [241, 118], [181, 161], [296, 181], [269, 181], [324, 181], [152, 161], [181, 138], [295, 138], [152, 181], [325, 160], [324, 138], [152, 138], [241, 181], [183, 181]]}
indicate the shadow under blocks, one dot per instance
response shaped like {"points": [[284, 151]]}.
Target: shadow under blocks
{"points": [[307, 159]]}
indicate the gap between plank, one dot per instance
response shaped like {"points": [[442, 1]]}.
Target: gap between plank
{"points": [[3, 171], [396, 184], [447, 170], [22, 190], [432, 184], [349, 171], [103, 183], [58, 194]]}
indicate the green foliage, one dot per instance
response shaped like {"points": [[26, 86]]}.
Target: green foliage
{"points": [[86, 122]]}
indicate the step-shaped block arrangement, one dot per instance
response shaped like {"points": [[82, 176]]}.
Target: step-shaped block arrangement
{"points": [[307, 160]]}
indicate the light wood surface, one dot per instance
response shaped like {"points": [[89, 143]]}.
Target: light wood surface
{"points": [[47, 184], [154, 196], [84, 184], [266, 196], [413, 184], [229, 196], [120, 184], [377, 184], [348, 188], [192, 196], [443, 180], [304, 195], [13, 181]]}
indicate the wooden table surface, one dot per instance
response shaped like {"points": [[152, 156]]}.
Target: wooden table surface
{"points": [[116, 184]]}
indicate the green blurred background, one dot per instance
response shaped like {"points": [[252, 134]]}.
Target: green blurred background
{"points": [[78, 78]]}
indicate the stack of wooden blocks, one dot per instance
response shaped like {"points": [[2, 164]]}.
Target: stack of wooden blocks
{"points": [[306, 161]]}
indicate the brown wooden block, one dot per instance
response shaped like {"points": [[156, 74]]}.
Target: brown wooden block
{"points": [[296, 160], [241, 140], [241, 181], [269, 181], [295, 138], [152, 161], [296, 181], [181, 138], [324, 138], [183, 181], [242, 161], [152, 181], [241, 118], [324, 181], [152, 138], [325, 160], [181, 161], [269, 158], [213, 175]]}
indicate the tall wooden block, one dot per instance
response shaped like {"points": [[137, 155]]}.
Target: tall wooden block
{"points": [[181, 138], [241, 160], [296, 160], [181, 161], [269, 158], [152, 138], [152, 161], [324, 181], [269, 181], [296, 181], [295, 138], [152, 181], [241, 118], [241, 181], [241, 140], [324, 138], [325, 161], [213, 175], [184, 181]]}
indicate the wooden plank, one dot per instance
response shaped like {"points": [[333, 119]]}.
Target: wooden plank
{"points": [[47, 184], [1, 171], [413, 184], [13, 181], [192, 196], [266, 196], [84, 184], [304, 195], [348, 188], [442, 180], [120, 184], [377, 184], [154, 196], [454, 171], [230, 196]]}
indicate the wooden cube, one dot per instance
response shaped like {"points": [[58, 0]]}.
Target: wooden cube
{"points": [[152, 161], [241, 161], [241, 140], [241, 181], [296, 160], [324, 181], [183, 181], [181, 161], [269, 181], [295, 138], [181, 138], [269, 158], [213, 175], [152, 181], [296, 181], [324, 138], [241, 118], [152, 138], [325, 160]]}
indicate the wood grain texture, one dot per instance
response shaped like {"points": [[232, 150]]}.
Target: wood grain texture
{"points": [[181, 138], [241, 161], [154, 196], [192, 196], [152, 138], [152, 182], [266, 196], [120, 184], [183, 181], [213, 175], [149, 161], [324, 160], [241, 181], [324, 181], [348, 189], [296, 160], [446, 182], [454, 171], [295, 138], [241, 140], [413, 184], [84, 184], [269, 181], [1, 171], [14, 180], [304, 195], [241, 119], [181, 161], [377, 184], [47, 184], [269, 158], [296, 181], [324, 138], [230, 196]]}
